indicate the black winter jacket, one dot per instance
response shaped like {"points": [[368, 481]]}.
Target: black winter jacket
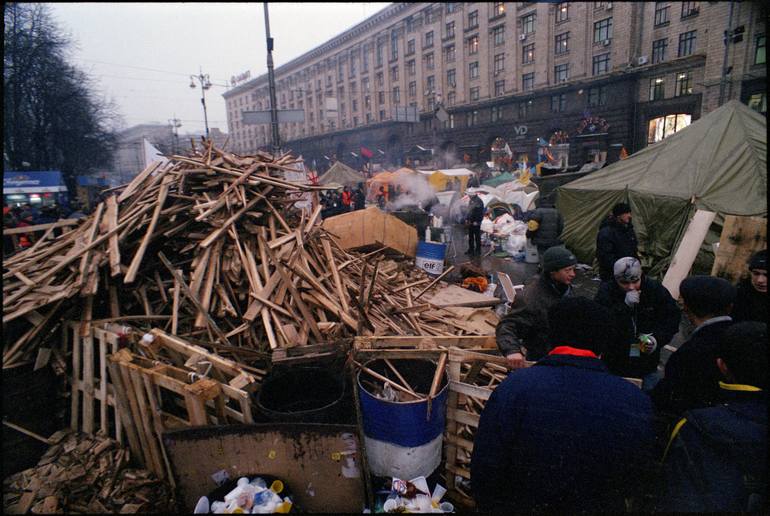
{"points": [[527, 324], [750, 305], [656, 313], [550, 226], [475, 210], [613, 242]]}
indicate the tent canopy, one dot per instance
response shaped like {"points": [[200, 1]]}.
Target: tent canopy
{"points": [[505, 177], [718, 163], [440, 178], [342, 174]]}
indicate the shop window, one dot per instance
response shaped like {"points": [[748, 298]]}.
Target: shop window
{"points": [[664, 126]]}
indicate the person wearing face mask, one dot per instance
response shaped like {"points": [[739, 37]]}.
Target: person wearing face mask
{"points": [[751, 300], [645, 317], [616, 239]]}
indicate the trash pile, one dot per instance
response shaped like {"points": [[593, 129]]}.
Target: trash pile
{"points": [[415, 496], [210, 246], [84, 474], [249, 496]]}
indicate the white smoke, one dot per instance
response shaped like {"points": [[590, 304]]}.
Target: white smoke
{"points": [[415, 190]]}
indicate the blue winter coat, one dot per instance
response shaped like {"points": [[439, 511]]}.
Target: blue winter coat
{"points": [[562, 436]]}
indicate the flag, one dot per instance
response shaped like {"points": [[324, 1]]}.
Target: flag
{"points": [[366, 152], [623, 153], [508, 150]]}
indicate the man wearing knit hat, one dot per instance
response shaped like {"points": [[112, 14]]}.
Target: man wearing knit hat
{"points": [[524, 330], [615, 240], [691, 378], [564, 436], [751, 301], [645, 316]]}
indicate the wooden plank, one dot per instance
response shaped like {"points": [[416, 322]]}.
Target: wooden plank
{"points": [[122, 408], [454, 295], [133, 269], [111, 217], [76, 368], [425, 341], [103, 424], [482, 393], [88, 384], [145, 417], [687, 250], [741, 238]]}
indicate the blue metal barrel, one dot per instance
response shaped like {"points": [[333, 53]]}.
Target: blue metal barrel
{"points": [[430, 257]]}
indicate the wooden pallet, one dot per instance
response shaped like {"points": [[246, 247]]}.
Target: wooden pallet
{"points": [[155, 397], [93, 393], [425, 342]]}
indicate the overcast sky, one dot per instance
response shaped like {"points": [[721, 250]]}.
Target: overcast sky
{"points": [[141, 55]]}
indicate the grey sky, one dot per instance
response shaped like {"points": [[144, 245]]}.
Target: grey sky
{"points": [[142, 54]]}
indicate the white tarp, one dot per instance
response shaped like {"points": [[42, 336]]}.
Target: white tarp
{"points": [[151, 153]]}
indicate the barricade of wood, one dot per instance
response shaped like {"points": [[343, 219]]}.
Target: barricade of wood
{"points": [[154, 397]]}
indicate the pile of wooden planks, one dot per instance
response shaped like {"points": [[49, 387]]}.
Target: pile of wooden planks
{"points": [[210, 247], [82, 474]]}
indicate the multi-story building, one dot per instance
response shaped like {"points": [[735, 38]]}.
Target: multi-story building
{"points": [[596, 76]]}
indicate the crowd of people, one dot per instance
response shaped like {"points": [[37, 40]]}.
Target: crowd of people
{"points": [[25, 215], [335, 202], [571, 433]]}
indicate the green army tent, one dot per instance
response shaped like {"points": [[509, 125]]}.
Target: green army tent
{"points": [[342, 174], [718, 163]]}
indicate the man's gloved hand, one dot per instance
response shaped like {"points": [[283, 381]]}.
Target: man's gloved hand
{"points": [[632, 298], [515, 360], [647, 343]]}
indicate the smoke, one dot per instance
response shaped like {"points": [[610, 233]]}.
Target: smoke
{"points": [[415, 190]]}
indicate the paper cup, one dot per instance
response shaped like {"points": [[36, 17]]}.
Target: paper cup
{"points": [[446, 507], [438, 493]]}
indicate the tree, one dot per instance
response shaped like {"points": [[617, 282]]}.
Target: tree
{"points": [[52, 118]]}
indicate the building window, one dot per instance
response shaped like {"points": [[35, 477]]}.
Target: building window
{"points": [[451, 7], [473, 45], [380, 80], [381, 97], [659, 50], [410, 47], [657, 88], [431, 83], [601, 64], [394, 45], [429, 61], [472, 118], [473, 19], [689, 9], [558, 103], [412, 89], [758, 102], [367, 102], [661, 14], [597, 96], [451, 98], [499, 88], [475, 94], [499, 63], [524, 108], [528, 23], [683, 84], [498, 9], [528, 54], [382, 115], [561, 72], [354, 104], [562, 43], [759, 50], [365, 59], [394, 73], [428, 39], [528, 81], [450, 78], [686, 43], [603, 30], [368, 118], [473, 70], [496, 114], [664, 126], [449, 53], [498, 35], [411, 67], [352, 88], [449, 123], [396, 95], [562, 12], [379, 54], [450, 29]]}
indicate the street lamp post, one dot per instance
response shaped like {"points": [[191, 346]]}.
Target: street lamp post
{"points": [[271, 82], [205, 84], [175, 124]]}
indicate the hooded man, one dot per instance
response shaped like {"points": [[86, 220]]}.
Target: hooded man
{"points": [[645, 316], [524, 330], [474, 218], [751, 301], [616, 239], [564, 436]]}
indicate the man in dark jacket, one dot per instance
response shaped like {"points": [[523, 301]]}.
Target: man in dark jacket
{"points": [[359, 198], [751, 301], [716, 458], [544, 227], [691, 378], [616, 240], [474, 218], [564, 436], [525, 328], [645, 316]]}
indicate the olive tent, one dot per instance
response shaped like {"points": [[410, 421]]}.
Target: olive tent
{"points": [[342, 174], [718, 164]]}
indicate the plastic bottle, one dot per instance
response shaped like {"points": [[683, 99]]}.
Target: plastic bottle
{"points": [[218, 507], [259, 483]]}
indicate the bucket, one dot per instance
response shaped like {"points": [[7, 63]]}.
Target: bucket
{"points": [[430, 257], [302, 395], [399, 441], [531, 255]]}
